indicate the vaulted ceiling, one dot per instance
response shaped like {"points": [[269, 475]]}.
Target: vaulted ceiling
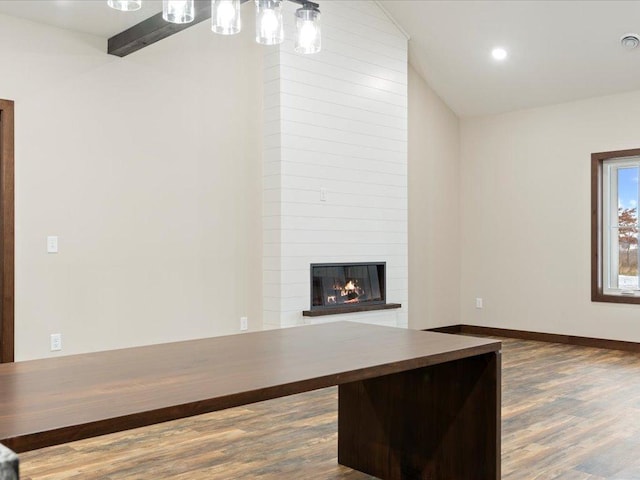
{"points": [[558, 50]]}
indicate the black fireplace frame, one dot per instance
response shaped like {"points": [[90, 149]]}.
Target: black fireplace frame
{"points": [[318, 310]]}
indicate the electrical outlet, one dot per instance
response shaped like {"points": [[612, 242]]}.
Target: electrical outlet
{"points": [[244, 323], [56, 342], [479, 303]]}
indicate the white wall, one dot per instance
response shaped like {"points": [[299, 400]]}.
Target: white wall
{"points": [[148, 169], [434, 208], [336, 120], [525, 196]]}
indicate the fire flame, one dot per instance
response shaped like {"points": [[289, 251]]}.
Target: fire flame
{"points": [[351, 290]]}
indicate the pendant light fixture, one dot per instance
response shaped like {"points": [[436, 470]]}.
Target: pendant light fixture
{"points": [[308, 38], [125, 5], [269, 24], [225, 17], [178, 11]]}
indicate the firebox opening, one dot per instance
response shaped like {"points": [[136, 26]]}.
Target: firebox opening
{"points": [[344, 284]]}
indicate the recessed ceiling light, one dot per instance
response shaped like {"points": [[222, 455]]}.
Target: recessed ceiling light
{"points": [[630, 40], [499, 53]]}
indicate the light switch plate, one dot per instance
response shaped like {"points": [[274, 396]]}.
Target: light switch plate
{"points": [[56, 342], [52, 244]]}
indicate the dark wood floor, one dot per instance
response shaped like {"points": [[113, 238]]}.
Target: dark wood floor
{"points": [[569, 413]]}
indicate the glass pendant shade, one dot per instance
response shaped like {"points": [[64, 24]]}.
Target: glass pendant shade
{"points": [[269, 25], [178, 11], [308, 38], [225, 16], [125, 5]]}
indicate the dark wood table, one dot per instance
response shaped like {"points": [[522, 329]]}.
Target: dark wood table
{"points": [[412, 404]]}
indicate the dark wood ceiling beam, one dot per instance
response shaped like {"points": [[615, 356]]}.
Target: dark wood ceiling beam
{"points": [[155, 28]]}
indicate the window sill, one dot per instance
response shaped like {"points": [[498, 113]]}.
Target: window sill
{"points": [[615, 298]]}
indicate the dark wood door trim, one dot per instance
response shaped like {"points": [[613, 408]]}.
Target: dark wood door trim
{"points": [[7, 326]]}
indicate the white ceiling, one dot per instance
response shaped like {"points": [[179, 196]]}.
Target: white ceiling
{"points": [[87, 16], [558, 50]]}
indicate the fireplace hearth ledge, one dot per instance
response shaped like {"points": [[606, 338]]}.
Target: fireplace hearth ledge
{"points": [[350, 309]]}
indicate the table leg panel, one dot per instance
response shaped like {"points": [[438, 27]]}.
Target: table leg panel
{"points": [[434, 423]]}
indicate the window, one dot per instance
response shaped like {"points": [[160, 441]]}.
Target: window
{"points": [[615, 196]]}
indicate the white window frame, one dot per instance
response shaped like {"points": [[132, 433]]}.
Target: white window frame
{"points": [[610, 226]]}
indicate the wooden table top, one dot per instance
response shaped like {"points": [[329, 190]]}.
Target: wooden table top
{"points": [[57, 400]]}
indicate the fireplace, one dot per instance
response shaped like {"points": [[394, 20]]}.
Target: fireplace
{"points": [[348, 287]]}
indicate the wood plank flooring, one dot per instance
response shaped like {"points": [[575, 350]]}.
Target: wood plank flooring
{"points": [[569, 413]]}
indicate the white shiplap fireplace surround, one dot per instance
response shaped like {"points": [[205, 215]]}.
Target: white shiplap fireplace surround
{"points": [[335, 160]]}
